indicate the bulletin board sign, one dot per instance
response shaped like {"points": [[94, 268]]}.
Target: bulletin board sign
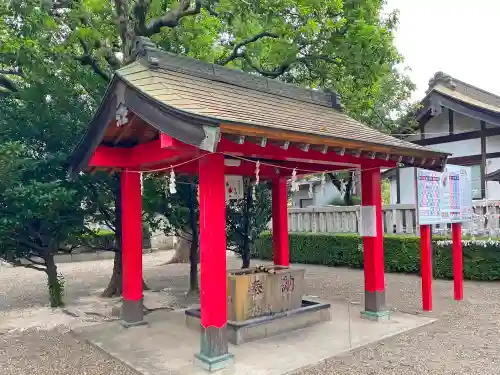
{"points": [[444, 197], [234, 187]]}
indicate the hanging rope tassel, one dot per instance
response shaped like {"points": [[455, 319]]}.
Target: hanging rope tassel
{"points": [[172, 186], [166, 186], [294, 184], [323, 184], [257, 180], [142, 184]]}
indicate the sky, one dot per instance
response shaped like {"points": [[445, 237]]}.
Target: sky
{"points": [[458, 37]]}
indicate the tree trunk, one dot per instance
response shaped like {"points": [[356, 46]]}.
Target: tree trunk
{"points": [[56, 287], [193, 254], [114, 288], [245, 254], [182, 248], [348, 189]]}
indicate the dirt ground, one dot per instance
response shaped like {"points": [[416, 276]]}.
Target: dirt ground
{"points": [[34, 339]]}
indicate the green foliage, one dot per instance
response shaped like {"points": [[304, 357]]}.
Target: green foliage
{"points": [[401, 254], [40, 207], [259, 216], [386, 191], [56, 57], [163, 210]]}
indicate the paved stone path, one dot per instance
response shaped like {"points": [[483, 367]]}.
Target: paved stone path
{"points": [[463, 341]]}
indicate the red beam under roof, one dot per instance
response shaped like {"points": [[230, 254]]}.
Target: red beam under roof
{"points": [[138, 156], [295, 154], [247, 168], [166, 151]]}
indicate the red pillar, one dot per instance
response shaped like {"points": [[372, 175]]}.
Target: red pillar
{"points": [[458, 282], [131, 211], [280, 222], [373, 245], [213, 277], [426, 266]]}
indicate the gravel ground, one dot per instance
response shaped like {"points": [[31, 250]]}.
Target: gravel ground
{"points": [[463, 341]]}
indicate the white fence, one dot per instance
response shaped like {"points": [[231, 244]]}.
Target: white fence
{"points": [[398, 218]]}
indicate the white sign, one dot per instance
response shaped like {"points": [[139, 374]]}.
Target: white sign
{"points": [[444, 197], [234, 187]]}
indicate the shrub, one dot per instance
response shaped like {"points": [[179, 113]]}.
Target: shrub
{"points": [[481, 259]]}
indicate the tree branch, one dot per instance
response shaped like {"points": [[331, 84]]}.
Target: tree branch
{"points": [[237, 53], [287, 65], [15, 71], [29, 245], [140, 10], [8, 85], [35, 262], [32, 266], [172, 17], [87, 59], [121, 8]]}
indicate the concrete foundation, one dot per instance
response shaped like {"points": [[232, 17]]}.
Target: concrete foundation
{"points": [[167, 347], [258, 328]]}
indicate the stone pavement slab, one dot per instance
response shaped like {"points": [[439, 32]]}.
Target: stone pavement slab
{"points": [[167, 347]]}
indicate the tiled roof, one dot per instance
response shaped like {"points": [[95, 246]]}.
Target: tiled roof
{"points": [[464, 92], [231, 96]]}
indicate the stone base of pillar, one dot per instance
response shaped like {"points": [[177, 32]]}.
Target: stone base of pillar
{"points": [[212, 364], [375, 308], [376, 316], [132, 313], [214, 354]]}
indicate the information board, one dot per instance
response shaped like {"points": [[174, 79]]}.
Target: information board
{"points": [[234, 187], [444, 197]]}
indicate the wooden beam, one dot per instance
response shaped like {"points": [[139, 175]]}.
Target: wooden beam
{"points": [[126, 129], [451, 124], [140, 155], [295, 154], [110, 157], [483, 160], [247, 168], [459, 137], [312, 139], [398, 186]]}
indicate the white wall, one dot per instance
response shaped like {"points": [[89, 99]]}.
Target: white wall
{"points": [[438, 127], [319, 198], [393, 191], [407, 193], [322, 199], [492, 165]]}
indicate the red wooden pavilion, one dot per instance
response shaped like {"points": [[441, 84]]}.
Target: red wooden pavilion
{"points": [[164, 111]]}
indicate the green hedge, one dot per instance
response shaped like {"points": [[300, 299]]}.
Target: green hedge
{"points": [[401, 254]]}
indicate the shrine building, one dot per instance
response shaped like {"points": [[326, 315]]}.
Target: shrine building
{"points": [[165, 113]]}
